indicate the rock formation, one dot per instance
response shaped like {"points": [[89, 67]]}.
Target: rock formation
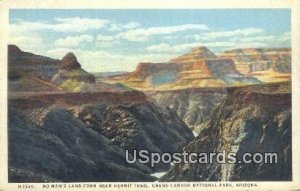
{"points": [[199, 68], [139, 126], [30, 72], [72, 136], [267, 64], [152, 74], [251, 119], [72, 77], [69, 62], [31, 62], [193, 106], [197, 53], [82, 136]]}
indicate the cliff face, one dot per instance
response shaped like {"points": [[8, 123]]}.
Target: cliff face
{"points": [[199, 68], [202, 68], [276, 61], [20, 62], [194, 107], [154, 73], [139, 126], [252, 119], [30, 72], [201, 64]]}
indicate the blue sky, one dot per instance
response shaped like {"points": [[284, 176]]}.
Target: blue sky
{"points": [[116, 40]]}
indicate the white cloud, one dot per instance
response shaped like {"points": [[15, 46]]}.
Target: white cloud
{"points": [[104, 38], [241, 38], [115, 27], [131, 25], [78, 24], [26, 42], [142, 34], [105, 41], [268, 38], [118, 27], [163, 47], [226, 34], [170, 37], [75, 24], [285, 37], [71, 41], [22, 27]]}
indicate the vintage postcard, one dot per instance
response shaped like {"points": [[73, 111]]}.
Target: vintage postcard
{"points": [[180, 95]]}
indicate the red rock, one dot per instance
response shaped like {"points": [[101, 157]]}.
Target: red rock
{"points": [[197, 53], [251, 60]]}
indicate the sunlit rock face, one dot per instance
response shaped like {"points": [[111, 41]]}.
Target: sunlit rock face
{"points": [[265, 64], [198, 68]]}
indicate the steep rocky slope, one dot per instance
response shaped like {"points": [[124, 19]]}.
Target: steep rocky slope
{"points": [[139, 126], [83, 136], [63, 149], [193, 106], [251, 119], [20, 62], [30, 72], [72, 77], [275, 62]]}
